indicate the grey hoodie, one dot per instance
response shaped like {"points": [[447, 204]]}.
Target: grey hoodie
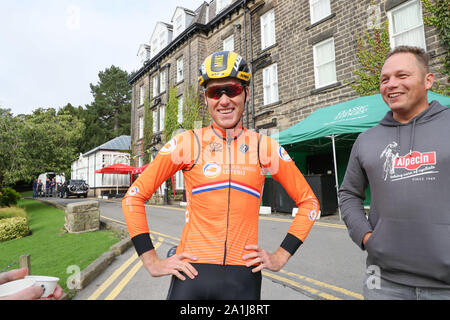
{"points": [[408, 169]]}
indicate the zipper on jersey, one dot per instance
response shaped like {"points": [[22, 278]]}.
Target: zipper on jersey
{"points": [[229, 140]]}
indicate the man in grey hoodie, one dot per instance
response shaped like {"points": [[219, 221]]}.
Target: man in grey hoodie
{"points": [[406, 161]]}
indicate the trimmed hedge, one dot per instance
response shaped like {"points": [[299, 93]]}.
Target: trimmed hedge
{"points": [[9, 212], [13, 228], [9, 197]]}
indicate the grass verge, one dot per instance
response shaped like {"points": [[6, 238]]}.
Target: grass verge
{"points": [[52, 250]]}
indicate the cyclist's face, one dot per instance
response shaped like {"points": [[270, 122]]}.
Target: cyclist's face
{"points": [[225, 99]]}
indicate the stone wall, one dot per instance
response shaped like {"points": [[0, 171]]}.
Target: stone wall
{"points": [[82, 217]]}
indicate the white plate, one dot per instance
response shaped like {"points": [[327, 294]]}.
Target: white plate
{"points": [[12, 287], [42, 278]]}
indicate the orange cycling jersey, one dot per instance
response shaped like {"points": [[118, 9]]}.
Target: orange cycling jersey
{"points": [[224, 177]]}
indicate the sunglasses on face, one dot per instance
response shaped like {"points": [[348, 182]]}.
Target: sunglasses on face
{"points": [[231, 90]]}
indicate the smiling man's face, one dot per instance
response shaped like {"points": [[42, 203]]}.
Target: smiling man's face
{"points": [[404, 84], [226, 111]]}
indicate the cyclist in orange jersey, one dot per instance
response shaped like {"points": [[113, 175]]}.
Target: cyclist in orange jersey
{"points": [[224, 165]]}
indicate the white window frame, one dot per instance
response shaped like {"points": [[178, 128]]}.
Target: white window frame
{"points": [[180, 110], [155, 121], [144, 55], [222, 4], [141, 127], [267, 21], [179, 25], [106, 160], [317, 16], [318, 64], [162, 81], [154, 48], [270, 84], [162, 40], [180, 69], [155, 81], [162, 116], [228, 43], [392, 36], [141, 95]]}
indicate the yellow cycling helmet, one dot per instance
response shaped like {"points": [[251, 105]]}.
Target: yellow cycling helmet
{"points": [[224, 64]]}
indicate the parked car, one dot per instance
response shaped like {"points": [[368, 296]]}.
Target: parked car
{"points": [[74, 188]]}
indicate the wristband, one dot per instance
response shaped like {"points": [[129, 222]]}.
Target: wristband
{"points": [[291, 243], [142, 243]]}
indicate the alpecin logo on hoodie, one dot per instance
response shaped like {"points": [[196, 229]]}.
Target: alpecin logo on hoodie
{"points": [[411, 165], [415, 160]]}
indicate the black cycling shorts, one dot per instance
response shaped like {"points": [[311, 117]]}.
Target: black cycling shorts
{"points": [[217, 282]]}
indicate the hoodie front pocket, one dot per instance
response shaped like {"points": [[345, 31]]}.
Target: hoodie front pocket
{"points": [[416, 247]]}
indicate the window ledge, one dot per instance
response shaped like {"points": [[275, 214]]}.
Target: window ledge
{"points": [[331, 16], [321, 89], [159, 95], [271, 104], [267, 48]]}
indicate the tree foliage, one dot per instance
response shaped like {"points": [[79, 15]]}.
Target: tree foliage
{"points": [[171, 120], [194, 111], [148, 129], [437, 14], [108, 116], [371, 52], [41, 142], [49, 141], [12, 147]]}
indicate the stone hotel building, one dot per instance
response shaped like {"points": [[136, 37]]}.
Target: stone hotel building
{"points": [[302, 54]]}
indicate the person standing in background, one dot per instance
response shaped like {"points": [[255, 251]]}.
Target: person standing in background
{"points": [[35, 186]]}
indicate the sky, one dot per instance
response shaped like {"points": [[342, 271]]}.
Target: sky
{"points": [[51, 50]]}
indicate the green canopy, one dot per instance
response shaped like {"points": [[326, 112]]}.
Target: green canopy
{"points": [[353, 116]]}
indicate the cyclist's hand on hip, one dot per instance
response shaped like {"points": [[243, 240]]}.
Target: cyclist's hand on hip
{"points": [[175, 265], [265, 260]]}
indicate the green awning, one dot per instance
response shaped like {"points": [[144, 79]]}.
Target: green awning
{"points": [[350, 117]]}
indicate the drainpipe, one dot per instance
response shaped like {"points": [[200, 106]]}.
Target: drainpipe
{"points": [[246, 56], [251, 59], [253, 77], [189, 62], [167, 80]]}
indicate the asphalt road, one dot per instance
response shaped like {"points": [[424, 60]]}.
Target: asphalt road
{"points": [[327, 266]]}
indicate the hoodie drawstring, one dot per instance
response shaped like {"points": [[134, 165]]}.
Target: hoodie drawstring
{"points": [[411, 139]]}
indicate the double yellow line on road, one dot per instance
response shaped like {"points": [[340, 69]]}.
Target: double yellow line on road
{"points": [[113, 277], [281, 279]]}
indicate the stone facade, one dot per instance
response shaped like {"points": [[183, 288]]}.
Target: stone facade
{"points": [[292, 52]]}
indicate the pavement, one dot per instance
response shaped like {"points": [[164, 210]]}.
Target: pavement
{"points": [[118, 273]]}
